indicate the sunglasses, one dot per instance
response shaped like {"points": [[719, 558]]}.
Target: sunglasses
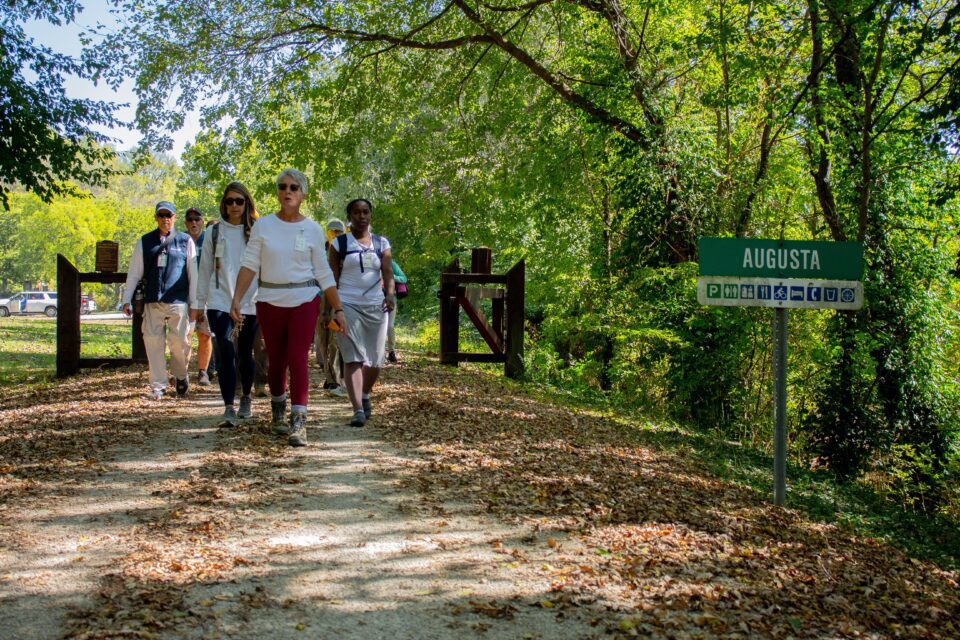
{"points": [[237, 201], [165, 214], [283, 187]]}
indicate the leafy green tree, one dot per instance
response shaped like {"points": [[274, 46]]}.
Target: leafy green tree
{"points": [[48, 143]]}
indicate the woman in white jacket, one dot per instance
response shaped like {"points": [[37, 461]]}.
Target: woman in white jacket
{"points": [[219, 265]]}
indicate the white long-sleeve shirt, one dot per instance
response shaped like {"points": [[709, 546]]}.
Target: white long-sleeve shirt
{"points": [[231, 247], [135, 270], [288, 252]]}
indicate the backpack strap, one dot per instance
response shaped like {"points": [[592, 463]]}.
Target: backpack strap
{"points": [[342, 251], [216, 261]]}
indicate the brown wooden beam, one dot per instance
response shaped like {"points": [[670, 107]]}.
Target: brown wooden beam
{"points": [[473, 278]]}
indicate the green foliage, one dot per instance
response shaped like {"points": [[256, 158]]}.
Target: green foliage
{"points": [[47, 140]]}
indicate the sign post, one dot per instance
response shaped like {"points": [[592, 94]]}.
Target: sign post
{"points": [[781, 274]]}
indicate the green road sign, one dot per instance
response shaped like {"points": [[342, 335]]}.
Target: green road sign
{"points": [[744, 257]]}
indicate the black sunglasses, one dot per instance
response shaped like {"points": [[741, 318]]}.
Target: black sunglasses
{"points": [[283, 187], [237, 201], [164, 214]]}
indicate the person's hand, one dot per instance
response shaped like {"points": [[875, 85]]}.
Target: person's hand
{"points": [[235, 311], [389, 302], [341, 321], [126, 309], [196, 315]]}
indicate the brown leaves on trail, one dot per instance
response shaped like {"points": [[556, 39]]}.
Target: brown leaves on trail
{"points": [[670, 550]]}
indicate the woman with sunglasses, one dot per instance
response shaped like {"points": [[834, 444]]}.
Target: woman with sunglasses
{"points": [[220, 264], [286, 255]]}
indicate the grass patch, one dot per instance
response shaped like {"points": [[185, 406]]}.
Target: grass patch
{"points": [[28, 347]]}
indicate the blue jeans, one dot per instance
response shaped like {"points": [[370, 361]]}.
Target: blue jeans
{"points": [[230, 358]]}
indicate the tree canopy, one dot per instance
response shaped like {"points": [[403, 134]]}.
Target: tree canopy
{"points": [[48, 143]]}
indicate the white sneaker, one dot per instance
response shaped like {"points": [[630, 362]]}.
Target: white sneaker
{"points": [[339, 392], [157, 394]]}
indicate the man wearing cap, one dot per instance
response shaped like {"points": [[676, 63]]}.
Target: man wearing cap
{"points": [[166, 261], [325, 347]]}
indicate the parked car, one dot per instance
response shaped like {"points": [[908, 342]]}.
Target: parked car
{"points": [[30, 302]]}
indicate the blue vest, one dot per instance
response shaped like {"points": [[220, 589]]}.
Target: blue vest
{"points": [[170, 283]]}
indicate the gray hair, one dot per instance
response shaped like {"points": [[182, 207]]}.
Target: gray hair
{"points": [[295, 175]]}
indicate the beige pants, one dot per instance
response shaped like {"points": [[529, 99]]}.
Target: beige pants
{"points": [[170, 323]]}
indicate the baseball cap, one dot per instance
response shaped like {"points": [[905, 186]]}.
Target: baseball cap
{"points": [[163, 205], [335, 225]]}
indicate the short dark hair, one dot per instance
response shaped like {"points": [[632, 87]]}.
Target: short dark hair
{"points": [[355, 201]]}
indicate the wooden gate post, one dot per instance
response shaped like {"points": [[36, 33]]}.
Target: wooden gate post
{"points": [[449, 317], [68, 318], [515, 317]]}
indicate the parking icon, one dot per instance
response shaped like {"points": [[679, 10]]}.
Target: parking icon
{"points": [[730, 291], [830, 294], [814, 294], [746, 292], [713, 290], [796, 294]]}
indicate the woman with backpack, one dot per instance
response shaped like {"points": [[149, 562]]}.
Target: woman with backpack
{"points": [[361, 263], [219, 266]]}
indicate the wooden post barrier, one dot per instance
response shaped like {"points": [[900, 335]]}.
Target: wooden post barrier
{"points": [[69, 361], [467, 290]]}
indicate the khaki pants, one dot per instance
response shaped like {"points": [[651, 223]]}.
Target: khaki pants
{"points": [[170, 324], [326, 351]]}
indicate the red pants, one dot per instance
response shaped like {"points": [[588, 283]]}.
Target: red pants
{"points": [[288, 334]]}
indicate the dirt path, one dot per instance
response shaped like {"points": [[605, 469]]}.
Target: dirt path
{"points": [[468, 507], [200, 531]]}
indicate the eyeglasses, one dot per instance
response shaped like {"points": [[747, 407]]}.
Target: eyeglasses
{"points": [[284, 186], [236, 201], [164, 214], [193, 219]]}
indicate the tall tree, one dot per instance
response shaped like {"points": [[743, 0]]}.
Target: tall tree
{"points": [[47, 139]]}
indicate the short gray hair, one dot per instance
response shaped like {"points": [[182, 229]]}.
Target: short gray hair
{"points": [[295, 175]]}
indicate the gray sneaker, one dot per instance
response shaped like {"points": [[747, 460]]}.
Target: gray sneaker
{"points": [[359, 418], [246, 407], [230, 416], [367, 408], [277, 409], [339, 392], [298, 430]]}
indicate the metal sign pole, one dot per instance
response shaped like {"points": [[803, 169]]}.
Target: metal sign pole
{"points": [[779, 406]]}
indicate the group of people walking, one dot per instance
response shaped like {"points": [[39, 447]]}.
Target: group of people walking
{"points": [[281, 274]]}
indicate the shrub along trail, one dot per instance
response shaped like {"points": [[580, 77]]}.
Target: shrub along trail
{"points": [[465, 507]]}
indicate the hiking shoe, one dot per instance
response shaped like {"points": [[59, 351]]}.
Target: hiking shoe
{"points": [[182, 386], [339, 391], [329, 386], [157, 394], [203, 379], [298, 430], [230, 416], [246, 407], [392, 357], [359, 418], [277, 409], [367, 408], [260, 390]]}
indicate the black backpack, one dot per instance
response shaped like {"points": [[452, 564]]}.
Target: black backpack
{"points": [[343, 253]]}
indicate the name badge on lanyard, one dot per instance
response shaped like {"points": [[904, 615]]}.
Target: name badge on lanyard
{"points": [[366, 259], [221, 248], [162, 260], [301, 243]]}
